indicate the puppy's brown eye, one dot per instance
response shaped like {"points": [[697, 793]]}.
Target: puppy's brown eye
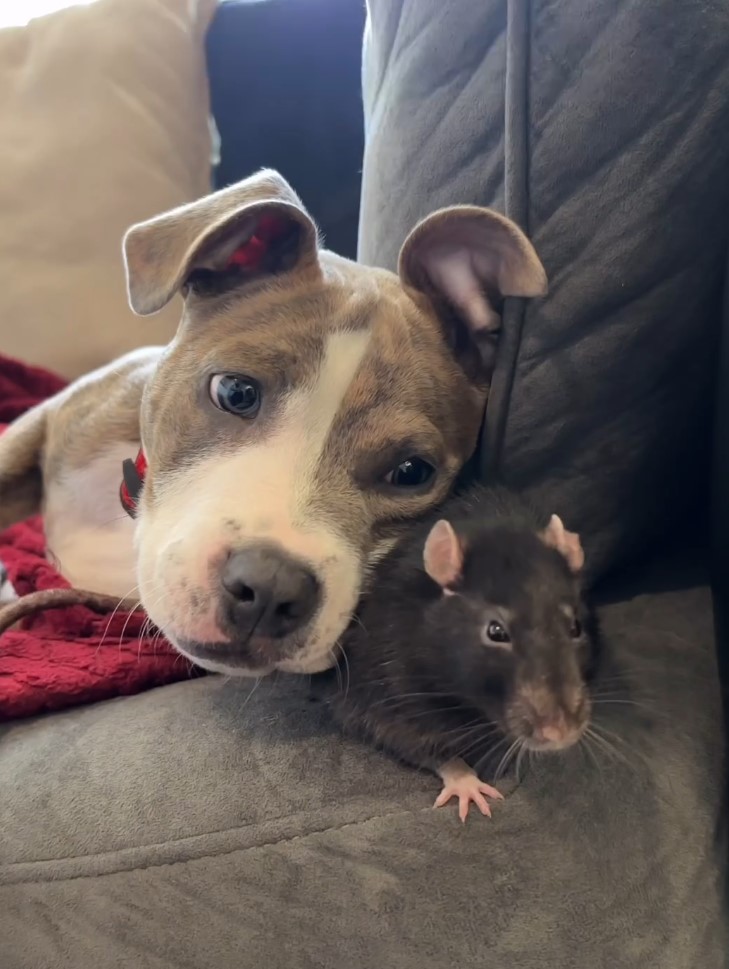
{"points": [[495, 633], [236, 394], [412, 473]]}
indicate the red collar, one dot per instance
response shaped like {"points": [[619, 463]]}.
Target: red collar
{"points": [[132, 480]]}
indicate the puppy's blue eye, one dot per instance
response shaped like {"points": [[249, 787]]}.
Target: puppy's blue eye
{"points": [[411, 473], [236, 394]]}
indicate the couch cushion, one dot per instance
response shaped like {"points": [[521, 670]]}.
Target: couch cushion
{"points": [[209, 824], [104, 121], [611, 146]]}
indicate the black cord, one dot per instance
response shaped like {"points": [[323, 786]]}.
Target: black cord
{"points": [[516, 195]]}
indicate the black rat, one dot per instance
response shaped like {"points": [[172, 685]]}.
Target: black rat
{"points": [[474, 635]]}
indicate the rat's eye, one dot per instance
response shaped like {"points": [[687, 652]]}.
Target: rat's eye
{"points": [[576, 628], [411, 473], [235, 393], [496, 634]]}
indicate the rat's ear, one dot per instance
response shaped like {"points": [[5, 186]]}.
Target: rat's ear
{"points": [[443, 554], [255, 228], [466, 259], [555, 535]]}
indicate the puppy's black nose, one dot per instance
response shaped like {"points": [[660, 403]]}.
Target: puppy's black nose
{"points": [[266, 593]]}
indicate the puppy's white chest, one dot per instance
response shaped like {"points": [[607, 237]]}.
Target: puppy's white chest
{"points": [[90, 537]]}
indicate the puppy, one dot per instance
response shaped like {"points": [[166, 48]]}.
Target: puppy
{"points": [[306, 411]]}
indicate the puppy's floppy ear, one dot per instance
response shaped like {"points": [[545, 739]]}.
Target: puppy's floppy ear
{"points": [[555, 535], [443, 554], [467, 259], [250, 230]]}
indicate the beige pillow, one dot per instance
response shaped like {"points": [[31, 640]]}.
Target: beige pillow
{"points": [[103, 122]]}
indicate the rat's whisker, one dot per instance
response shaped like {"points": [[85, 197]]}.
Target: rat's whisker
{"points": [[404, 715], [657, 634], [385, 701], [487, 729], [506, 759], [519, 758], [586, 747], [483, 729], [477, 742], [489, 754], [609, 749], [608, 701], [599, 728]]}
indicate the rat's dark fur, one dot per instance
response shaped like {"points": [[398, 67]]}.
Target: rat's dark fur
{"points": [[417, 678]]}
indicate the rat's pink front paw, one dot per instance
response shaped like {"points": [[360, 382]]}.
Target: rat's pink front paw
{"points": [[468, 788]]}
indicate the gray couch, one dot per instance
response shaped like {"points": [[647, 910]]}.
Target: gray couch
{"points": [[208, 824], [203, 825]]}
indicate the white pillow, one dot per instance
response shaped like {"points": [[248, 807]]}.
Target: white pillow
{"points": [[104, 120]]}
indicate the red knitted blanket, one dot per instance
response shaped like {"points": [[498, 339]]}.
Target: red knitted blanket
{"points": [[64, 657]]}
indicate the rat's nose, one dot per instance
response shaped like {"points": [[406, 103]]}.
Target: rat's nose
{"points": [[553, 730], [267, 593], [558, 730]]}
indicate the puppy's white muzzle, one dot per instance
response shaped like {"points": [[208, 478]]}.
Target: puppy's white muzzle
{"points": [[221, 616]]}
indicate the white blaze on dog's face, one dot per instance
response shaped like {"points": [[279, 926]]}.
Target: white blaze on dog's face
{"points": [[306, 411]]}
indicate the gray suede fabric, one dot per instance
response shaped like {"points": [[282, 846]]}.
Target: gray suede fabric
{"points": [[205, 825], [603, 128]]}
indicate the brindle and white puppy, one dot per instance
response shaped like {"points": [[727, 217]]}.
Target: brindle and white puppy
{"points": [[306, 410]]}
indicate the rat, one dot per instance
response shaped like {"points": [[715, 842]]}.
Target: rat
{"points": [[474, 639]]}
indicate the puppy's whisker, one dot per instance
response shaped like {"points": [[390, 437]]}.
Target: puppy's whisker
{"points": [[337, 667], [256, 684], [126, 596], [147, 627], [116, 518], [343, 654], [355, 618]]}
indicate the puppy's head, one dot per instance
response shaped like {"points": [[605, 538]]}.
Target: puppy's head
{"points": [[307, 409]]}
